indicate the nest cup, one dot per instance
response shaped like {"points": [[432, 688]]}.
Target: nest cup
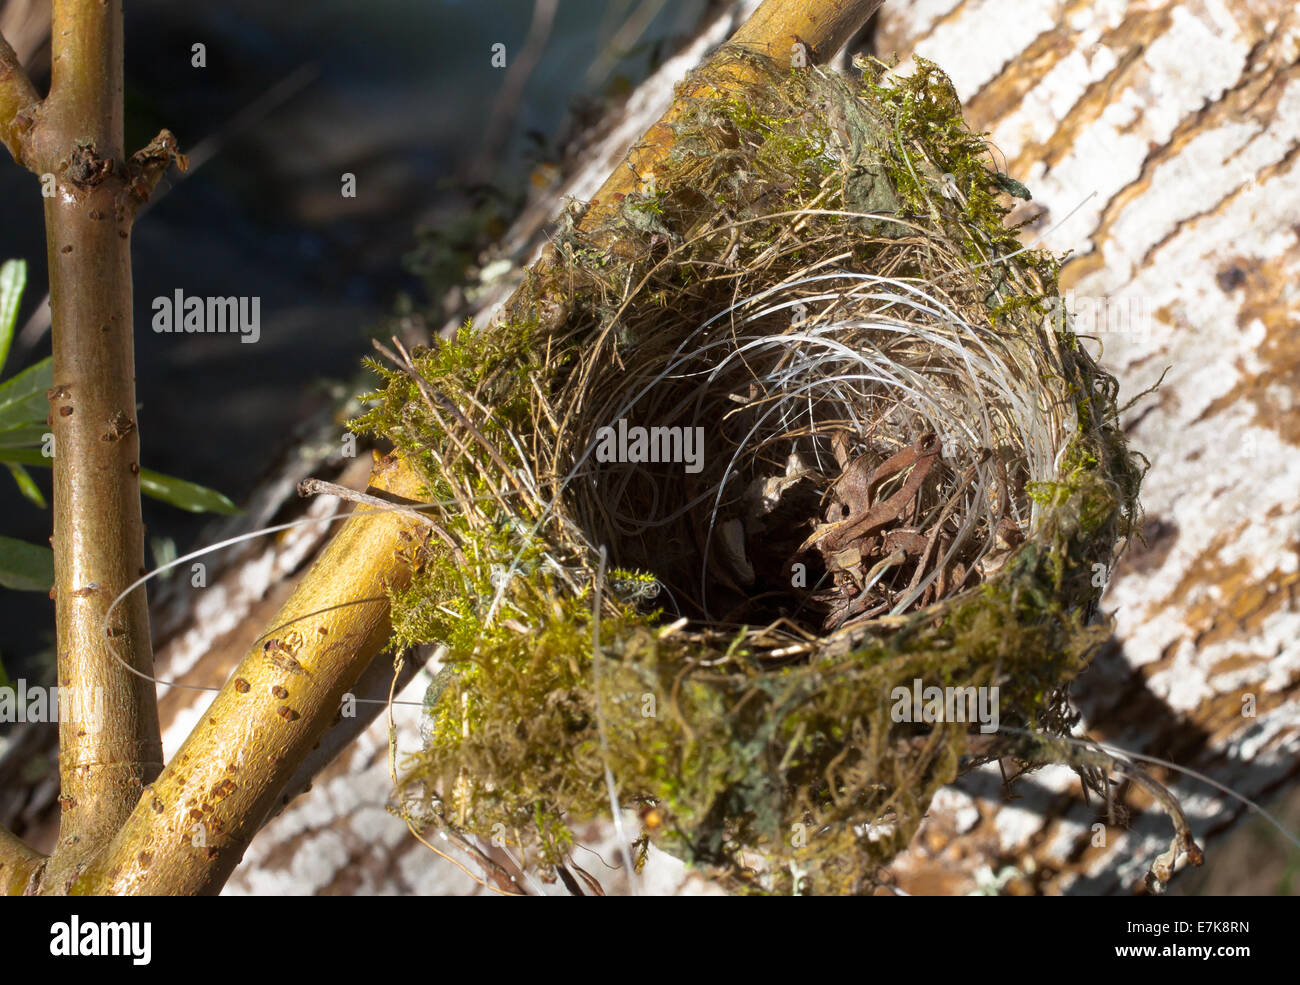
{"points": [[831, 448], [811, 430]]}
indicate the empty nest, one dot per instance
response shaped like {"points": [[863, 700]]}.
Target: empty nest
{"points": [[905, 470]]}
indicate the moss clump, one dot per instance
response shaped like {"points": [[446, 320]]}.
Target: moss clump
{"points": [[906, 473]]}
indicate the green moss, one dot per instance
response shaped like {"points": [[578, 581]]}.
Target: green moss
{"points": [[729, 754]]}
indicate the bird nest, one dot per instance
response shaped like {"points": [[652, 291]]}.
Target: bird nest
{"points": [[807, 444]]}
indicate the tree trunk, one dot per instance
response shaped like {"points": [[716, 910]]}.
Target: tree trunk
{"points": [[1173, 129]]}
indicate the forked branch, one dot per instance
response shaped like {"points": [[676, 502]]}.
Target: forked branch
{"points": [[18, 100], [111, 747]]}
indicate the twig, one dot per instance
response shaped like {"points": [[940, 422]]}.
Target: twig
{"points": [[518, 73], [18, 864], [277, 705], [17, 99], [624, 38], [98, 531], [319, 487], [198, 155]]}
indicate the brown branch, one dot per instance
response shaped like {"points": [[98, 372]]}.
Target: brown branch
{"points": [[818, 29], [192, 826], [18, 864], [776, 28], [106, 757], [18, 99], [371, 692]]}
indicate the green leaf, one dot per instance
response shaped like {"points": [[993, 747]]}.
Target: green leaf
{"points": [[25, 567], [26, 485], [176, 492], [4, 677], [185, 495], [1012, 187], [24, 456], [13, 278], [24, 437], [23, 400]]}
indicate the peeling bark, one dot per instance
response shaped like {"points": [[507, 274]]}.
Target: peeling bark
{"points": [[1182, 122]]}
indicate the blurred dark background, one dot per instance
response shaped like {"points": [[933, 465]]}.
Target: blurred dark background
{"points": [[400, 93]]}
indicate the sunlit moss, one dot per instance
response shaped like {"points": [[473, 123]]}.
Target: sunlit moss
{"points": [[773, 775]]}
